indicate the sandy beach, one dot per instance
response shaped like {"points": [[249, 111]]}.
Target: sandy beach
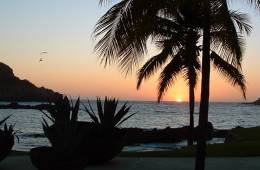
{"points": [[249, 163]]}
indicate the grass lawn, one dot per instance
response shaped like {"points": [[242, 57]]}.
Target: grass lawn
{"points": [[18, 153], [244, 142]]}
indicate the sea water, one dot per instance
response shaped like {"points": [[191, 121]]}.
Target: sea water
{"points": [[149, 115]]}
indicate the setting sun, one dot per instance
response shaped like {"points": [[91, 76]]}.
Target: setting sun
{"points": [[179, 100]]}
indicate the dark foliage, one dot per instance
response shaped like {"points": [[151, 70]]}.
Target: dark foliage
{"points": [[108, 116]]}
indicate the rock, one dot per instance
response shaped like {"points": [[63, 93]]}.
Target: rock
{"points": [[15, 105], [14, 89], [167, 135], [231, 137], [257, 101]]}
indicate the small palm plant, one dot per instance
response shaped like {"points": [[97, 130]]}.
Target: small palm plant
{"points": [[107, 115], [64, 135], [7, 135], [106, 140]]}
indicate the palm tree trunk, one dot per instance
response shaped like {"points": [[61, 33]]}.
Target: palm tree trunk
{"points": [[192, 102], [205, 85]]}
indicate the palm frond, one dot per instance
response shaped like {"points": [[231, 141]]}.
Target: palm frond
{"points": [[242, 22], [168, 75], [232, 73], [254, 3], [117, 25], [190, 74], [152, 65], [102, 2], [125, 29], [225, 38]]}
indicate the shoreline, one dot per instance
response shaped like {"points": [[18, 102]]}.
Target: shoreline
{"points": [[242, 142]]}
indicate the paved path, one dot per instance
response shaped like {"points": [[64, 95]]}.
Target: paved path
{"points": [[252, 163]]}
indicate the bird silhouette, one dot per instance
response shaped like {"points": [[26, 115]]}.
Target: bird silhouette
{"points": [[41, 55], [44, 52]]}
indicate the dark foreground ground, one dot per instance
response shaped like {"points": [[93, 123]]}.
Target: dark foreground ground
{"points": [[240, 152], [221, 163]]}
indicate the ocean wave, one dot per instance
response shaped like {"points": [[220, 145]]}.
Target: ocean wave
{"points": [[32, 135], [164, 111]]}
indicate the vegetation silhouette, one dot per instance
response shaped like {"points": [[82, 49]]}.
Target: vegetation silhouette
{"points": [[108, 139], [235, 57], [65, 136], [182, 49], [74, 143], [107, 115], [126, 27], [7, 135]]}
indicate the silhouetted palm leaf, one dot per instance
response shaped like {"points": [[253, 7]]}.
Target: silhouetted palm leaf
{"points": [[122, 121], [152, 65], [100, 110], [63, 110], [254, 3], [242, 21], [229, 71], [229, 42], [111, 117], [3, 120], [75, 110], [168, 75], [91, 113], [121, 113], [125, 29]]}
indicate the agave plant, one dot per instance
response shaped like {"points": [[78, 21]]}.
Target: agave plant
{"points": [[64, 135], [107, 115], [63, 110], [3, 121], [8, 131], [7, 135]]}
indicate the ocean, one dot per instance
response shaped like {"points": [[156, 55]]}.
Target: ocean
{"points": [[149, 115]]}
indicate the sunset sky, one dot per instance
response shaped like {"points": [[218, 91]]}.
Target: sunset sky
{"points": [[63, 28]]}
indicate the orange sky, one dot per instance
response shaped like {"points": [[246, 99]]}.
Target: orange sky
{"points": [[71, 67]]}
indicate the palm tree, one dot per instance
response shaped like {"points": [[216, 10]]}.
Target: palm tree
{"points": [[127, 26], [184, 60], [205, 82]]}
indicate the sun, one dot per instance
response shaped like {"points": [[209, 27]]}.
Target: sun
{"points": [[179, 100]]}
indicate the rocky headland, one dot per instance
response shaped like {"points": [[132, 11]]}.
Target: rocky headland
{"points": [[14, 89]]}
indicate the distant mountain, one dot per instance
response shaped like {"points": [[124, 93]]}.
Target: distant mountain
{"points": [[14, 89], [257, 101]]}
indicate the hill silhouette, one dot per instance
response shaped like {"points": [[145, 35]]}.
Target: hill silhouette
{"points": [[14, 89], [257, 101]]}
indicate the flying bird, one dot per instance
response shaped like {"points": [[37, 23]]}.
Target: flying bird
{"points": [[41, 55], [44, 52]]}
